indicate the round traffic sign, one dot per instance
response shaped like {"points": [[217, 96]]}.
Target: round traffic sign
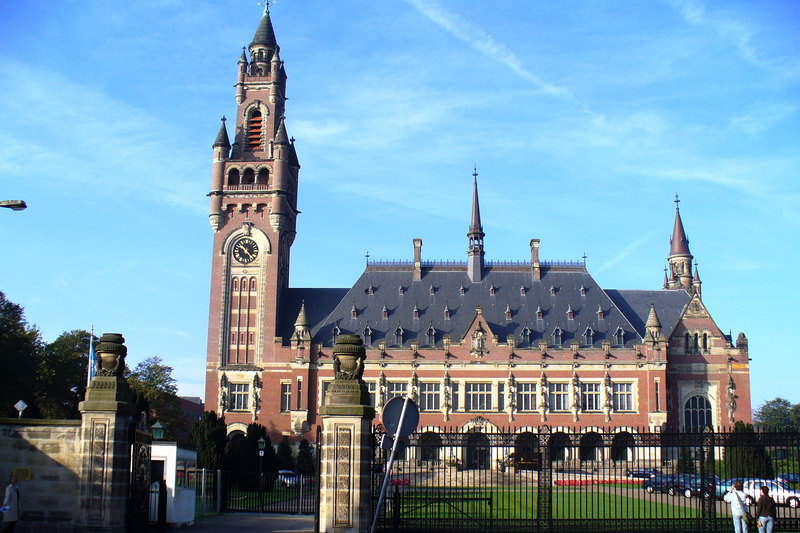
{"points": [[391, 416]]}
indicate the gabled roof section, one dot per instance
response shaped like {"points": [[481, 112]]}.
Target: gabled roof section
{"points": [[635, 305], [317, 303], [696, 311]]}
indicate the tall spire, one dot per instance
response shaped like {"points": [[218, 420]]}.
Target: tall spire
{"points": [[475, 227], [265, 35], [222, 136], [679, 244], [475, 234], [680, 258]]}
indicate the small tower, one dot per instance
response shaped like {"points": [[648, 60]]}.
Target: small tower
{"points": [[475, 252], [696, 283], [653, 333], [680, 259]]}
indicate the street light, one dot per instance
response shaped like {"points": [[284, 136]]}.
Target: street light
{"points": [[158, 430], [16, 205], [261, 445]]}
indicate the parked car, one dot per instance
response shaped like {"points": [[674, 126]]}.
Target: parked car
{"points": [[658, 483], [724, 486], [782, 494], [693, 485], [287, 478], [788, 478], [642, 473]]}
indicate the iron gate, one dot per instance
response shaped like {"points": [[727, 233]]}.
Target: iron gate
{"points": [[140, 438]]}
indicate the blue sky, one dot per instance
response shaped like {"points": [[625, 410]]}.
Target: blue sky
{"points": [[584, 120]]}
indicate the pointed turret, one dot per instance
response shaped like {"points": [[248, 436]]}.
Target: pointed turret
{"points": [[222, 148], [696, 283], [263, 46], [680, 258], [222, 140], [652, 327], [302, 328], [265, 35], [475, 234]]}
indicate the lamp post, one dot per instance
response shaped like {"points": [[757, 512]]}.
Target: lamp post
{"points": [[16, 205], [261, 445], [158, 431]]}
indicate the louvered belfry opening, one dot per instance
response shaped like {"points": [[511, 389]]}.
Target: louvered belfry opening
{"points": [[254, 131]]}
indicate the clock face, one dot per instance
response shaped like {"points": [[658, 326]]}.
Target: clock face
{"points": [[245, 251]]}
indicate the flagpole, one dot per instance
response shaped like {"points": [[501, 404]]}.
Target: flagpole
{"points": [[90, 367]]}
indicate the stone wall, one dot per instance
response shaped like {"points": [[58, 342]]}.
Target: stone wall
{"points": [[52, 450]]}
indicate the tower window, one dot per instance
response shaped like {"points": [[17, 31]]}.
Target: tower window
{"points": [[236, 284], [253, 284], [233, 176], [263, 177], [286, 396], [254, 131], [249, 177]]}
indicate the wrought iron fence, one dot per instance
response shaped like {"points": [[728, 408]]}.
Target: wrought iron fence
{"points": [[269, 493], [542, 479]]}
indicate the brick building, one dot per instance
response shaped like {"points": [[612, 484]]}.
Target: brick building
{"points": [[477, 344]]}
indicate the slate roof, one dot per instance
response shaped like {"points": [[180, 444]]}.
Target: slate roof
{"points": [[558, 292], [265, 35]]}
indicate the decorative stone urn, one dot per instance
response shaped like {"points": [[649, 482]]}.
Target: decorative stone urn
{"points": [[348, 394]]}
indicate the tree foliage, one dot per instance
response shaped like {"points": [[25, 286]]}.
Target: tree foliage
{"points": [[746, 455], [20, 348], [685, 462], [285, 456], [778, 414], [209, 436], [155, 388], [61, 375], [305, 459]]}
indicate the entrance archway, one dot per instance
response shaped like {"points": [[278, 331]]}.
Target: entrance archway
{"points": [[477, 451]]}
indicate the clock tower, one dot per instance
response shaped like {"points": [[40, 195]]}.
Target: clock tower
{"points": [[253, 216]]}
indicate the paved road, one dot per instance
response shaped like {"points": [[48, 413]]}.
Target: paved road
{"points": [[254, 522]]}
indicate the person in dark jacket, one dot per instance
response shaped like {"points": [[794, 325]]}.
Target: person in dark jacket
{"points": [[765, 511], [11, 504]]}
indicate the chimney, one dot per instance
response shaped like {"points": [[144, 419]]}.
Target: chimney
{"points": [[417, 259], [535, 269]]}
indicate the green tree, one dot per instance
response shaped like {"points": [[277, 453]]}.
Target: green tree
{"points": [[777, 414], [155, 390], [209, 436], [61, 375], [20, 348], [305, 459], [284, 455], [746, 455], [685, 462]]}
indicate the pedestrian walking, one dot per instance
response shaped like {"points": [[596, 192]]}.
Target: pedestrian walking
{"points": [[11, 505], [736, 497], [765, 511]]}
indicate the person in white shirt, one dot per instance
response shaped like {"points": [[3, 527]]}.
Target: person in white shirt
{"points": [[736, 497]]}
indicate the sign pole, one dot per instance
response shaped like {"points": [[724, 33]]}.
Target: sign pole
{"points": [[387, 476]]}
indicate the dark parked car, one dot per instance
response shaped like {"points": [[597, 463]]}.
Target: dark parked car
{"points": [[642, 473], [788, 478], [659, 483], [692, 485]]}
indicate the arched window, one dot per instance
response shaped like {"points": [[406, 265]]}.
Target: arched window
{"points": [[254, 131], [263, 177], [233, 176], [429, 443], [697, 413], [236, 284], [590, 447], [557, 336], [253, 284], [705, 342], [249, 177], [431, 334]]}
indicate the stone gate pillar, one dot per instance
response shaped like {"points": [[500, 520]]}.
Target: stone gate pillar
{"points": [[106, 416], [347, 451]]}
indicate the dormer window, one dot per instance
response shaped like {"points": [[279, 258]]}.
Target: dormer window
{"points": [[370, 289], [522, 291], [431, 333], [400, 289], [461, 289], [353, 312], [600, 313], [254, 131], [619, 336], [446, 312], [527, 335], [552, 290], [508, 312], [384, 312], [491, 289], [583, 290], [570, 312], [367, 335], [415, 312], [398, 335], [539, 313], [431, 290], [557, 336], [588, 336], [336, 332]]}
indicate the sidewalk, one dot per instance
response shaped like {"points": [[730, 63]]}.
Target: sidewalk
{"points": [[254, 522]]}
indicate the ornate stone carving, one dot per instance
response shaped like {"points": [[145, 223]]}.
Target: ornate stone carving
{"points": [[97, 469], [576, 396], [608, 392], [341, 495], [543, 391], [731, 399], [479, 343], [348, 358], [111, 352]]}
